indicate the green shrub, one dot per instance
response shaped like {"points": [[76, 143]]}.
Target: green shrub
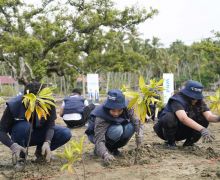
{"points": [[7, 90]]}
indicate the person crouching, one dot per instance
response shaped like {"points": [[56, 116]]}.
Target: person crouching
{"points": [[112, 125]]}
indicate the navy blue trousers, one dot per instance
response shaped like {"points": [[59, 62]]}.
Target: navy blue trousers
{"points": [[117, 135], [20, 134], [171, 129]]}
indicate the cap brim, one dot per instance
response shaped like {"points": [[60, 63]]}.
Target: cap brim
{"points": [[110, 105], [192, 95]]}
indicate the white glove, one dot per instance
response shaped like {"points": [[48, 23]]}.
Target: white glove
{"points": [[46, 151], [17, 149], [108, 158]]}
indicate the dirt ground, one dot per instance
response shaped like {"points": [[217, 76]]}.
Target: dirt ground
{"points": [[155, 162]]}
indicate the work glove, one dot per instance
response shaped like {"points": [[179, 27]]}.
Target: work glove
{"points": [[206, 135], [46, 151], [16, 150], [108, 158]]}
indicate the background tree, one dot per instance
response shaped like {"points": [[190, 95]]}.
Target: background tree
{"points": [[38, 41]]}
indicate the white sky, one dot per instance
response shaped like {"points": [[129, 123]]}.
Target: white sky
{"points": [[186, 20]]}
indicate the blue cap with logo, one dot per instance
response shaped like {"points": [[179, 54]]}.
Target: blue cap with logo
{"points": [[193, 89], [115, 100]]}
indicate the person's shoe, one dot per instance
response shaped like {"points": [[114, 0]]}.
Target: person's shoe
{"points": [[188, 142], [39, 156], [116, 152], [170, 145], [20, 165]]}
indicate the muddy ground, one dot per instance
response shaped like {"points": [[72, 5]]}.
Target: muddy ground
{"points": [[155, 162]]}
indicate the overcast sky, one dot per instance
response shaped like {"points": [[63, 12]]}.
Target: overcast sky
{"points": [[186, 20]]}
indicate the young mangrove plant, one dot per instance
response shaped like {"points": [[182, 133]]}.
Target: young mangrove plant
{"points": [[140, 101], [73, 152]]}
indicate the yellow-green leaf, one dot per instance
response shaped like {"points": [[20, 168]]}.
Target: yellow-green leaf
{"points": [[131, 94], [141, 82], [132, 102], [64, 167]]}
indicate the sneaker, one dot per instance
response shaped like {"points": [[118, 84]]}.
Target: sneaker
{"points": [[20, 165], [42, 159], [170, 145], [188, 142], [39, 156], [116, 152]]}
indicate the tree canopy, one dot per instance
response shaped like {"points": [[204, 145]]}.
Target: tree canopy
{"points": [[77, 36]]}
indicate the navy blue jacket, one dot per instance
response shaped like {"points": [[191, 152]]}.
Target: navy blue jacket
{"points": [[180, 99], [73, 104], [100, 111], [18, 110]]}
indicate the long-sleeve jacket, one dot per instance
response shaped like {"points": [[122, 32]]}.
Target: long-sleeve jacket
{"points": [[101, 127]]}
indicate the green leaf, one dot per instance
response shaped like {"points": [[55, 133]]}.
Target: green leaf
{"points": [[141, 83], [131, 94], [64, 167], [160, 82], [132, 102], [143, 111], [215, 102]]}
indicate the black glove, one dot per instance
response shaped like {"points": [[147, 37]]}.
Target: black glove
{"points": [[206, 135]]}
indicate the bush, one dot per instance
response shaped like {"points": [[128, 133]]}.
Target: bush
{"points": [[7, 90]]}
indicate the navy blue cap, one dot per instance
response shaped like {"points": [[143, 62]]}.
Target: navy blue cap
{"points": [[193, 89], [115, 100]]}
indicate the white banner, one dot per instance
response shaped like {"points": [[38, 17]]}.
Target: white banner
{"points": [[93, 87], [168, 85]]}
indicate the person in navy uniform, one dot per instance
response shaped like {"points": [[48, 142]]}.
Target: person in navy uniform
{"points": [[111, 126], [75, 109], [186, 116], [14, 129]]}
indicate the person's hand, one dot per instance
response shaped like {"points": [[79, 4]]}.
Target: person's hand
{"points": [[108, 158], [46, 151], [206, 135], [17, 149]]}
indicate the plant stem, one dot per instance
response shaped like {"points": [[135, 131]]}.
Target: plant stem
{"points": [[137, 148], [76, 173], [84, 168], [29, 139]]}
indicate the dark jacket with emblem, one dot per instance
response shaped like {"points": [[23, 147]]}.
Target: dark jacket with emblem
{"points": [[193, 112], [15, 112]]}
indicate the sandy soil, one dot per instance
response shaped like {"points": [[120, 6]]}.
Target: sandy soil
{"points": [[155, 162]]}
